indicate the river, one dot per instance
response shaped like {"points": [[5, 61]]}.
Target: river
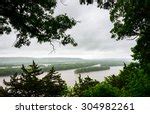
{"points": [[70, 77]]}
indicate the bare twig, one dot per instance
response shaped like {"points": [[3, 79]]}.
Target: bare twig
{"points": [[53, 48], [133, 38], [63, 3]]}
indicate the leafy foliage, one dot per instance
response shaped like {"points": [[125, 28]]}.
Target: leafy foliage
{"points": [[126, 24], [106, 4], [29, 85], [82, 85], [123, 77], [132, 81], [102, 89], [34, 19], [87, 87], [123, 14]]}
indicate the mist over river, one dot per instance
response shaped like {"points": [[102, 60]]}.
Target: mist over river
{"points": [[70, 77]]}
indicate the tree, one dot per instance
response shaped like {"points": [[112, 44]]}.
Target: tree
{"points": [[29, 85], [54, 85], [131, 18], [102, 89], [82, 85], [132, 81], [124, 13], [34, 19]]}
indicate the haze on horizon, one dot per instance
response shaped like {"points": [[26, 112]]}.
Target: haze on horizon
{"points": [[91, 33]]}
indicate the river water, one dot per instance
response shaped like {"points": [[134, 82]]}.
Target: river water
{"points": [[70, 77]]}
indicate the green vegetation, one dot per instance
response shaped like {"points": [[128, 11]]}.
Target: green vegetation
{"points": [[8, 65], [9, 71], [29, 85], [81, 86], [105, 4], [133, 80], [59, 67], [36, 20], [18, 61], [91, 69]]}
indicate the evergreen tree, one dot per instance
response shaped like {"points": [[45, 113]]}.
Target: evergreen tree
{"points": [[28, 83], [83, 85], [53, 85]]}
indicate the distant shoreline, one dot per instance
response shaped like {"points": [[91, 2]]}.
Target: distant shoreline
{"points": [[9, 66], [91, 69]]}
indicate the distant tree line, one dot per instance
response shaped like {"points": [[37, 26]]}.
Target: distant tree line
{"points": [[132, 81], [9, 70], [91, 69]]}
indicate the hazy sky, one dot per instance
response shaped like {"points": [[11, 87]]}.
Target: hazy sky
{"points": [[91, 34]]}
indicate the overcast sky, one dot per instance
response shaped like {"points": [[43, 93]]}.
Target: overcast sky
{"points": [[92, 35]]}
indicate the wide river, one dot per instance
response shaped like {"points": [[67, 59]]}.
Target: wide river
{"points": [[70, 77]]}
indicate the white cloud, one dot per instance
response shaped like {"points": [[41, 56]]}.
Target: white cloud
{"points": [[91, 34]]}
